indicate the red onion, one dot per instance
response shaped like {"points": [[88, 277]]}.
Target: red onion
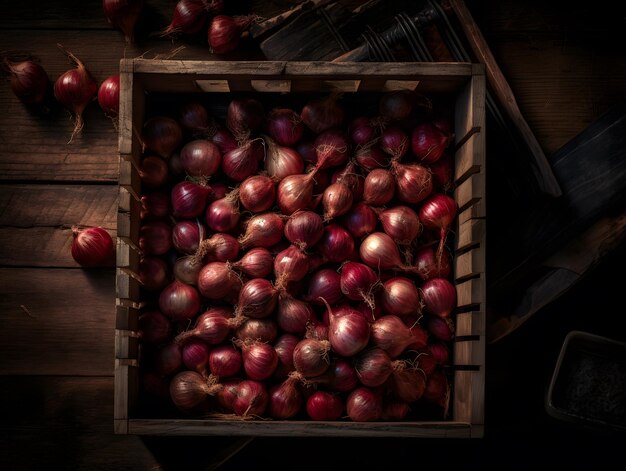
{"points": [[189, 389], [394, 142], [92, 246], [280, 161], [219, 247], [399, 296], [169, 359], [261, 330], [294, 315], [371, 158], [189, 18], [324, 113], [153, 273], [427, 266], [257, 193], [195, 356], [397, 104], [123, 14], [437, 389], [439, 296], [75, 89], [284, 346], [155, 205], [29, 82], [351, 177], [212, 326], [414, 182], [306, 149], [109, 95], [379, 187], [217, 281], [322, 405], [244, 117], [324, 284], [251, 400], [380, 252], [218, 190], [179, 301], [243, 161], [225, 32], [155, 238], [373, 367], [440, 328], [153, 172], [392, 335], [337, 244], [304, 229], [189, 199], [406, 382], [154, 328], [340, 376], [443, 172], [200, 158], [193, 117], [222, 215], [316, 330], [439, 351], [263, 230], [426, 363], [419, 333], [256, 263], [187, 235], [187, 269], [332, 148], [259, 359], [285, 399], [337, 200], [360, 221], [257, 298], [358, 282], [285, 126], [429, 142], [364, 405], [401, 224], [438, 213], [226, 396], [223, 139], [349, 331], [311, 357], [394, 411], [295, 192], [162, 135], [290, 265], [363, 131], [225, 361]]}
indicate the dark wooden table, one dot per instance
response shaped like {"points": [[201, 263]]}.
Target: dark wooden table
{"points": [[566, 65]]}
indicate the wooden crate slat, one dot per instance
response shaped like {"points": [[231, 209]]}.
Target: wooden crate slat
{"points": [[470, 292], [51, 319], [477, 210], [468, 352], [469, 264], [470, 191], [470, 233], [469, 389], [127, 286], [126, 345], [470, 323], [126, 318]]}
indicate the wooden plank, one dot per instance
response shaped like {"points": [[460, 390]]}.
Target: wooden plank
{"points": [[470, 292], [470, 323], [36, 221], [57, 321], [469, 352], [469, 399], [469, 264], [470, 191], [470, 233], [477, 210]]}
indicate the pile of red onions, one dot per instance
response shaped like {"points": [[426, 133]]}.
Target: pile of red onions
{"points": [[289, 270]]}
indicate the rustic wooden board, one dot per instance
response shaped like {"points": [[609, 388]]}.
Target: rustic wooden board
{"points": [[70, 324], [36, 221]]}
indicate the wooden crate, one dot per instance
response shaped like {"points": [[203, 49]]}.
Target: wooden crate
{"points": [[463, 81]]}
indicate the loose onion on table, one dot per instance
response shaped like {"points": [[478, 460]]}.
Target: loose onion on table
{"points": [[285, 256]]}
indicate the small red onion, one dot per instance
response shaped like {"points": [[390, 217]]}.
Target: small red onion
{"points": [[193, 117], [401, 224], [293, 315], [360, 221], [311, 357], [399, 296], [155, 205], [438, 213], [427, 266], [364, 405], [290, 265], [373, 367], [263, 230], [304, 229], [307, 150], [257, 299], [440, 328], [332, 148], [162, 135], [154, 328], [351, 177], [219, 247], [285, 399], [392, 335], [336, 244], [29, 82], [109, 95], [320, 114], [371, 158], [195, 355], [155, 238], [443, 172], [244, 117], [223, 139], [153, 273], [295, 192], [380, 252], [437, 389], [261, 330], [187, 269], [396, 105], [200, 158], [284, 346], [179, 301], [226, 396], [324, 284], [189, 199], [322, 405], [188, 18], [406, 382], [285, 126], [280, 161], [169, 359], [429, 142], [379, 187], [395, 142], [225, 32], [217, 281], [225, 361], [349, 331], [187, 235], [358, 282], [419, 333], [414, 182], [439, 351], [337, 200], [251, 400], [92, 246], [394, 411], [212, 326], [256, 263], [189, 389], [363, 131], [257, 193], [243, 161], [439, 296], [153, 172], [259, 359], [426, 363], [341, 376], [123, 14], [222, 215]]}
